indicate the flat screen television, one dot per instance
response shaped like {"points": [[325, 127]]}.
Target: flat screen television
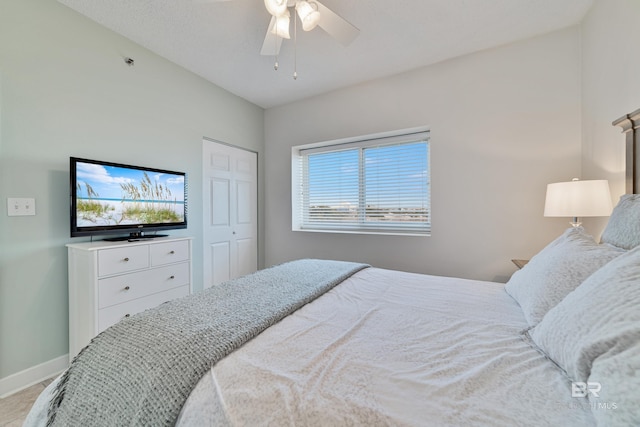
{"points": [[111, 198]]}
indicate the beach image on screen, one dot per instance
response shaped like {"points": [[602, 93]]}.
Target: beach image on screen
{"points": [[112, 195]]}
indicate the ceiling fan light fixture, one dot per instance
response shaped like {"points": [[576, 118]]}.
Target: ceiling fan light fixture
{"points": [[276, 7], [281, 27], [308, 13]]}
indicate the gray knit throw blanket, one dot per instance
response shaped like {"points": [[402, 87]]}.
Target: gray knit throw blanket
{"points": [[140, 371]]}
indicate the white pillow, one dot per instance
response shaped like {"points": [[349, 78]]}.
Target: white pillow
{"points": [[557, 270], [618, 401], [594, 336], [623, 227]]}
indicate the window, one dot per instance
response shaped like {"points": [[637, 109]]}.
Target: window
{"points": [[377, 184]]}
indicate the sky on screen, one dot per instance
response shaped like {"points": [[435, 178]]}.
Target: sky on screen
{"points": [[106, 180]]}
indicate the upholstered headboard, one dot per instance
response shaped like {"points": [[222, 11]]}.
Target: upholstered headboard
{"points": [[630, 124]]}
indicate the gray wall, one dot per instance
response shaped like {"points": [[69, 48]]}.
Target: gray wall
{"points": [[504, 123], [66, 91], [610, 89]]}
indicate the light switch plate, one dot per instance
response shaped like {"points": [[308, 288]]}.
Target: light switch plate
{"points": [[21, 206]]}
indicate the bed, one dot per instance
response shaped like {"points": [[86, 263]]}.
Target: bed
{"points": [[353, 344]]}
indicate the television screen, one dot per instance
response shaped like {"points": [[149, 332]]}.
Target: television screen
{"points": [[111, 198]]}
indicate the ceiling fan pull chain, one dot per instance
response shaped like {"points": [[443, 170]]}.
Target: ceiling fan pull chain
{"points": [[295, 49], [276, 65]]}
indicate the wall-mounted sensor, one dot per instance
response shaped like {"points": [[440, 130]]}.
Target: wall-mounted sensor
{"points": [[128, 61]]}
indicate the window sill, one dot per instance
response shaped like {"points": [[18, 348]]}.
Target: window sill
{"points": [[373, 232]]}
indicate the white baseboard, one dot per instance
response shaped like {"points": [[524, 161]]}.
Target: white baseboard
{"points": [[23, 379]]}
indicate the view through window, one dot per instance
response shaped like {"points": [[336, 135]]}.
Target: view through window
{"points": [[370, 185]]}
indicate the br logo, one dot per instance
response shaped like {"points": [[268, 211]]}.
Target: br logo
{"points": [[580, 389]]}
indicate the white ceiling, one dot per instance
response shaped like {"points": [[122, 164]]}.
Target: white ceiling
{"points": [[221, 41]]}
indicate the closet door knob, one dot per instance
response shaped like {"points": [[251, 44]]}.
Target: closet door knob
{"points": [[126, 259], [126, 288]]}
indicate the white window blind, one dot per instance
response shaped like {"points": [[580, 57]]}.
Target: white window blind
{"points": [[378, 185]]}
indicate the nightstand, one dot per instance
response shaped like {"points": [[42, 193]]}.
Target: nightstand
{"points": [[520, 262]]}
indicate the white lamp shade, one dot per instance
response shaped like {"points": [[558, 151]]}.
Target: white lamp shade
{"points": [[276, 7], [309, 15], [281, 28], [578, 199]]}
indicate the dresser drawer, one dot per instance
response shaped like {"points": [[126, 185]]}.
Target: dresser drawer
{"points": [[166, 253], [121, 260], [112, 315], [126, 287]]}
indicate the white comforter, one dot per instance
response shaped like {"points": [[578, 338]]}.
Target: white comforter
{"points": [[391, 348]]}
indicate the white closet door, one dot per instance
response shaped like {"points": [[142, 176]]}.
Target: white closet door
{"points": [[230, 200]]}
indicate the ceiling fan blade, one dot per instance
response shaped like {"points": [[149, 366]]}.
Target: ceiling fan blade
{"points": [[336, 26], [272, 43]]}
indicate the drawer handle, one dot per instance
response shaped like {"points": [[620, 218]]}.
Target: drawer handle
{"points": [[172, 252], [172, 277], [126, 259], [126, 288], [127, 315]]}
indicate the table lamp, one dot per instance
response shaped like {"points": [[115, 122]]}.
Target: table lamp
{"points": [[578, 199]]}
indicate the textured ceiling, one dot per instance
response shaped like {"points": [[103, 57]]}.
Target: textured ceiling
{"points": [[221, 41]]}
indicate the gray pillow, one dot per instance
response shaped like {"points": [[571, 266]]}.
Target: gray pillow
{"points": [[594, 336], [623, 228], [556, 270], [618, 400]]}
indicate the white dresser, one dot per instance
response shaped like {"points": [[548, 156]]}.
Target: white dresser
{"points": [[109, 281]]}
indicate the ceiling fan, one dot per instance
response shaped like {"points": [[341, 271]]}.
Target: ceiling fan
{"points": [[312, 13]]}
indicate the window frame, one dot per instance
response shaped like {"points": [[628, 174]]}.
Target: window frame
{"points": [[298, 154]]}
